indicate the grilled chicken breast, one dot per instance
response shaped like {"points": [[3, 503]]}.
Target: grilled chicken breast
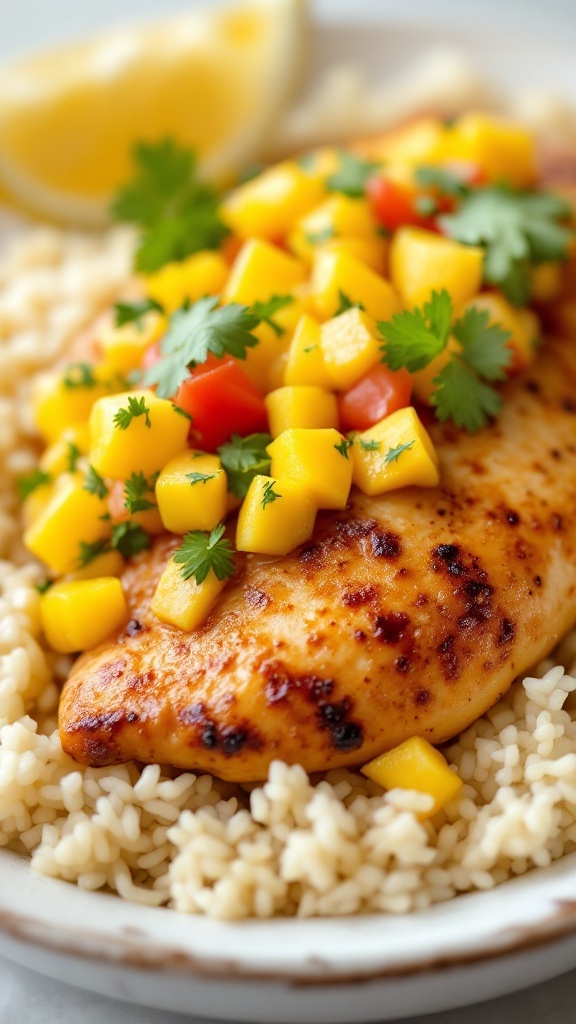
{"points": [[407, 614]]}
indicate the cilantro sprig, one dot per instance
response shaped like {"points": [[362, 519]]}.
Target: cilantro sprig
{"points": [[199, 553], [79, 375], [195, 332], [136, 407], [518, 230], [345, 303], [244, 458], [94, 483], [134, 312], [136, 487], [413, 339], [269, 495], [26, 485], [352, 175], [265, 311], [393, 454], [176, 211]]}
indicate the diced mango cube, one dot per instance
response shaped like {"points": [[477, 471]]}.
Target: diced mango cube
{"points": [[316, 459], [82, 613], [71, 517], [419, 142], [416, 765], [423, 384], [191, 492], [61, 455], [109, 563], [337, 273], [339, 216], [272, 343], [268, 206], [305, 362], [300, 406], [504, 150], [34, 505], [260, 271], [422, 262], [276, 516], [320, 164], [203, 273], [371, 251], [350, 346], [397, 452], [184, 603], [62, 400], [123, 348], [149, 440]]}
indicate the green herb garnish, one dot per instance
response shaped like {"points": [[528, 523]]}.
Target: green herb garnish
{"points": [[265, 311], [136, 407], [200, 553], [94, 483], [135, 489], [26, 485], [352, 175], [134, 312], [244, 458]]}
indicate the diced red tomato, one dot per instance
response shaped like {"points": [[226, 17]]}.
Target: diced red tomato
{"points": [[394, 204], [376, 395], [221, 401]]}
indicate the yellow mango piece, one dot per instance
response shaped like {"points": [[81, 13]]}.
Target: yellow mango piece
{"points": [[191, 492], [272, 343], [35, 503], [339, 216], [268, 206], [423, 380], [184, 603], [260, 271], [320, 164], [147, 443], [203, 273], [420, 142], [546, 281], [416, 765], [61, 400], [277, 371], [371, 251], [60, 457], [405, 456], [79, 614], [300, 406], [316, 459], [123, 348], [337, 273], [109, 563], [305, 359], [350, 347], [73, 515], [523, 331], [276, 516], [505, 151], [422, 262]]}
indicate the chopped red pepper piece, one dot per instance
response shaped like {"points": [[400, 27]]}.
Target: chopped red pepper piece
{"points": [[221, 401], [376, 395], [394, 204]]}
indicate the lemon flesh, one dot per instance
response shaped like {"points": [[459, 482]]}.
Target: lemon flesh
{"points": [[213, 80]]}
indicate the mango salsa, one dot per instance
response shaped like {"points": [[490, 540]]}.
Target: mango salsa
{"points": [[203, 273], [82, 613], [300, 406], [62, 455], [422, 262], [261, 270], [184, 603], [63, 400], [191, 492], [305, 360], [316, 459], [397, 452], [123, 348], [135, 432], [337, 274], [350, 347], [415, 765], [276, 516], [72, 517], [267, 206]]}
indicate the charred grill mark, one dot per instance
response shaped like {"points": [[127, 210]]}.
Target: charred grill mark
{"points": [[256, 598], [356, 598], [310, 553], [507, 632], [348, 736], [110, 671], [134, 627], [422, 697], [386, 544], [512, 517], [448, 658], [402, 664], [391, 627], [230, 739]]}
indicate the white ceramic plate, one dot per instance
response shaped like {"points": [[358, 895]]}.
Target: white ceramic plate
{"points": [[356, 969]]}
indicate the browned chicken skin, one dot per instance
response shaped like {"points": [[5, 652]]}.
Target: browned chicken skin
{"points": [[407, 614]]}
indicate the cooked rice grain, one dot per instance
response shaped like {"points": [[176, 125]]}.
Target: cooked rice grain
{"points": [[293, 846]]}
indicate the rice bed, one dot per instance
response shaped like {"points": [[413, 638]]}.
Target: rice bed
{"points": [[294, 846]]}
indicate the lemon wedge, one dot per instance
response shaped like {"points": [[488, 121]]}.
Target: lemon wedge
{"points": [[215, 80]]}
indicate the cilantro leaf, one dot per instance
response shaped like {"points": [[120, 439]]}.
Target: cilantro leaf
{"points": [[199, 553], [393, 454], [88, 552], [343, 447], [44, 585], [79, 375], [517, 229], [134, 312], [319, 237], [136, 488], [26, 485], [345, 303], [266, 310], [269, 494], [462, 397], [200, 478], [73, 453], [94, 484], [444, 181], [193, 333], [136, 407], [414, 338], [129, 539], [243, 458], [176, 210], [484, 345], [370, 446], [352, 174]]}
